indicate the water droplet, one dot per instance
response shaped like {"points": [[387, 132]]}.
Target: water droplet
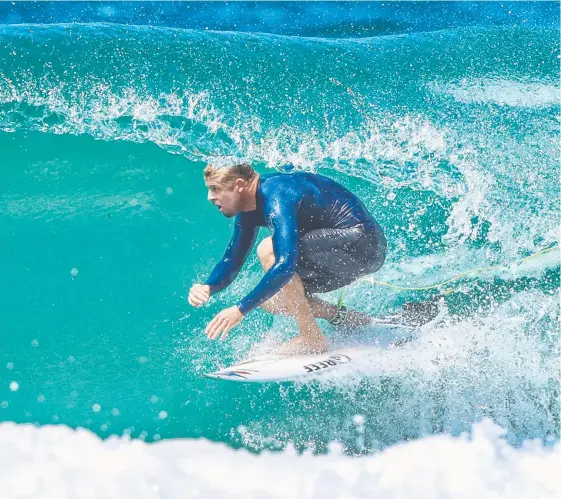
{"points": [[74, 272], [163, 414], [14, 386], [358, 419], [96, 408]]}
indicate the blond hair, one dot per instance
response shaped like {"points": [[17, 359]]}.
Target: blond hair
{"points": [[228, 174]]}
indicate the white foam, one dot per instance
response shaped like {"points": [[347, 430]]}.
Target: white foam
{"points": [[58, 462], [503, 92]]}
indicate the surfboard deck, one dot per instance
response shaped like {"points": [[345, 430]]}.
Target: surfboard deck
{"points": [[386, 332]]}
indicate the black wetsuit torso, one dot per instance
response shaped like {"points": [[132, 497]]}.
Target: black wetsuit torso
{"points": [[291, 205]]}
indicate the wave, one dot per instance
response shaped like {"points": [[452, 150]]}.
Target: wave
{"points": [[107, 127]]}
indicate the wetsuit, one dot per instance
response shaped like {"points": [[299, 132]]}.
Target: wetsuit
{"points": [[321, 231]]}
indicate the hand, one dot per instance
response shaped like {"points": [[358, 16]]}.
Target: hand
{"points": [[223, 322], [199, 294]]}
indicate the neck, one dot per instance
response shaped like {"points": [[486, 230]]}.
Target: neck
{"points": [[251, 201]]}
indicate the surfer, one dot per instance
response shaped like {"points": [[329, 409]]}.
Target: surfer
{"points": [[323, 238]]}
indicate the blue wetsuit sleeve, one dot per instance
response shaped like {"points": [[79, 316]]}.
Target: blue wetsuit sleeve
{"points": [[235, 255], [281, 211]]}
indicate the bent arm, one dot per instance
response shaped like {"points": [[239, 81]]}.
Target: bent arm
{"points": [[285, 246], [234, 257]]}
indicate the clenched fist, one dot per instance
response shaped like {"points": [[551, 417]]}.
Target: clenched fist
{"points": [[199, 294]]}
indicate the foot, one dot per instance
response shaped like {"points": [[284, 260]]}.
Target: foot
{"points": [[347, 318], [413, 314], [303, 346], [357, 319]]}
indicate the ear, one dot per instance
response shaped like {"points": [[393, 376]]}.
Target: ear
{"points": [[240, 184]]}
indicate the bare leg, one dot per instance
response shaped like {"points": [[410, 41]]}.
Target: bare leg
{"points": [[291, 300], [320, 308]]}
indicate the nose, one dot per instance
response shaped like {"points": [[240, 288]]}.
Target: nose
{"points": [[210, 196]]}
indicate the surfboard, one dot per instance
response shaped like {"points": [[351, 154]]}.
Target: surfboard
{"points": [[387, 332]]}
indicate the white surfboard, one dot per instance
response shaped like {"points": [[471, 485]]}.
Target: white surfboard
{"points": [[268, 368], [345, 350]]}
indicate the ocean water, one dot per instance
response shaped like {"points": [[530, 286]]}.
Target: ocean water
{"points": [[443, 118]]}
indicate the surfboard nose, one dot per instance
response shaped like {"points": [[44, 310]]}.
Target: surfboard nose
{"points": [[228, 375]]}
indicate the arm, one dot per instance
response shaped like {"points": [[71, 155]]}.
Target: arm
{"points": [[243, 238], [282, 212]]}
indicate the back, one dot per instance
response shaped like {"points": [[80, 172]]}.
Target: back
{"points": [[322, 202]]}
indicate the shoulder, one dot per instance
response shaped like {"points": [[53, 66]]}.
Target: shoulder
{"points": [[271, 180], [282, 185]]}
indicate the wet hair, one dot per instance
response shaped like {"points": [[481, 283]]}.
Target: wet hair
{"points": [[228, 174]]}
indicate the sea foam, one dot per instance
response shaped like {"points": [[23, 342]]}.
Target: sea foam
{"points": [[58, 462]]}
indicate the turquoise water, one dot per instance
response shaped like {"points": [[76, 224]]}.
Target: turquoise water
{"points": [[449, 136]]}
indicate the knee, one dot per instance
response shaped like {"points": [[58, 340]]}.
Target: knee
{"points": [[265, 252]]}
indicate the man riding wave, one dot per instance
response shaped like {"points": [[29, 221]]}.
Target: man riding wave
{"points": [[323, 238]]}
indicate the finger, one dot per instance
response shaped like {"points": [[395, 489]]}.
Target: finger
{"points": [[210, 325], [219, 328], [194, 301], [200, 295], [213, 327], [201, 289], [213, 333], [199, 292], [225, 332]]}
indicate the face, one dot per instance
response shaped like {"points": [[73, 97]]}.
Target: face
{"points": [[226, 197]]}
